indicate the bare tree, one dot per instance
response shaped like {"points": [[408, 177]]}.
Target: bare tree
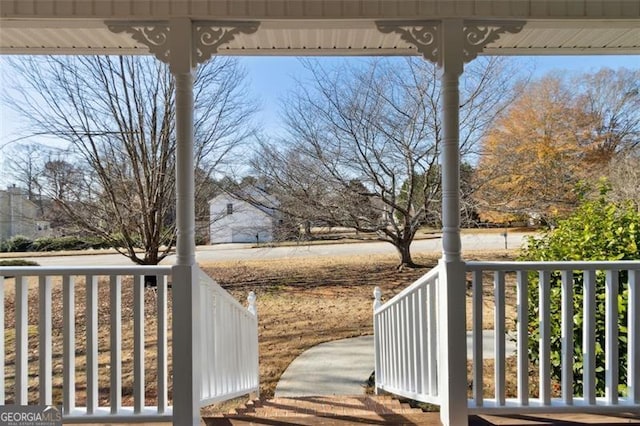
{"points": [[624, 178], [364, 141], [24, 165], [117, 115], [612, 99]]}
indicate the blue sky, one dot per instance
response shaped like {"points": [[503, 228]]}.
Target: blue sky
{"points": [[270, 78]]}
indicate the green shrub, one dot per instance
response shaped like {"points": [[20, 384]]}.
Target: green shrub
{"points": [[16, 244], [18, 262], [60, 244], [22, 244], [598, 230]]}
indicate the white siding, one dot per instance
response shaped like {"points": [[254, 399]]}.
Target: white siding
{"points": [[246, 223], [17, 215]]}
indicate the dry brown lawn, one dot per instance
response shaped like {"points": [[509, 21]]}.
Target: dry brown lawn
{"points": [[301, 302]]}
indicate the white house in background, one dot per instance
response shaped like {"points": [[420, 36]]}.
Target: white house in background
{"points": [[233, 220], [19, 215]]}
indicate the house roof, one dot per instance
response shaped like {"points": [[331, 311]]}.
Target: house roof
{"points": [[321, 27]]}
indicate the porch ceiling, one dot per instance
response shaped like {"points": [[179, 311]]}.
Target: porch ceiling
{"points": [[322, 37], [321, 27]]}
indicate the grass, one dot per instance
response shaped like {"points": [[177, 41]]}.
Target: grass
{"points": [[301, 302]]}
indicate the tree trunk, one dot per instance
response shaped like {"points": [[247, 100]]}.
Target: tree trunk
{"points": [[404, 250], [306, 233]]}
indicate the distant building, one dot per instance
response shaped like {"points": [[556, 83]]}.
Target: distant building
{"points": [[233, 220], [19, 215]]}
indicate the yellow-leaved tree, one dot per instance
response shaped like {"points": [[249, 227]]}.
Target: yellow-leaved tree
{"points": [[531, 160]]}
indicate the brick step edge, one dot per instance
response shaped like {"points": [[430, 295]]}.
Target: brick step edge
{"points": [[324, 405]]}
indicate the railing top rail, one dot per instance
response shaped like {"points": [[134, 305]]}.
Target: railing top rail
{"points": [[552, 265], [85, 270], [429, 276]]}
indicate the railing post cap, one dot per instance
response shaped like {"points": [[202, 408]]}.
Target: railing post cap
{"points": [[251, 298], [377, 293]]}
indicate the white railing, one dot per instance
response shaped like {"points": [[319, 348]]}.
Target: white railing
{"points": [[228, 345], [83, 338], [405, 341], [557, 284], [69, 325]]}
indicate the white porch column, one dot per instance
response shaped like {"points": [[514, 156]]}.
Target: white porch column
{"points": [[185, 178], [452, 371], [451, 66], [186, 318]]}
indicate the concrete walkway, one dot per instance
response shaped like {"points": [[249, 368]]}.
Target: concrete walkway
{"points": [[342, 367]]}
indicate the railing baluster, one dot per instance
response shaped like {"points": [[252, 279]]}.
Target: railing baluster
{"points": [[382, 377], [138, 344], [402, 324], [411, 371], [161, 310], [22, 340], [44, 345], [2, 337], [225, 353], [237, 361], [238, 349], [203, 338], [476, 312], [432, 307], [633, 336], [206, 339], [545, 337], [388, 323], [69, 344], [567, 336], [523, 337], [611, 337], [417, 371], [393, 346], [220, 349], [91, 309], [233, 342], [424, 342], [115, 337], [388, 342], [499, 336], [220, 369], [589, 337]]}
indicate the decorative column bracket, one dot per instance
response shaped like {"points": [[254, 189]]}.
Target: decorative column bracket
{"points": [[426, 36], [207, 36]]}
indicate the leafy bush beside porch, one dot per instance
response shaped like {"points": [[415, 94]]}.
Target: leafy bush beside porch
{"points": [[598, 231]]}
